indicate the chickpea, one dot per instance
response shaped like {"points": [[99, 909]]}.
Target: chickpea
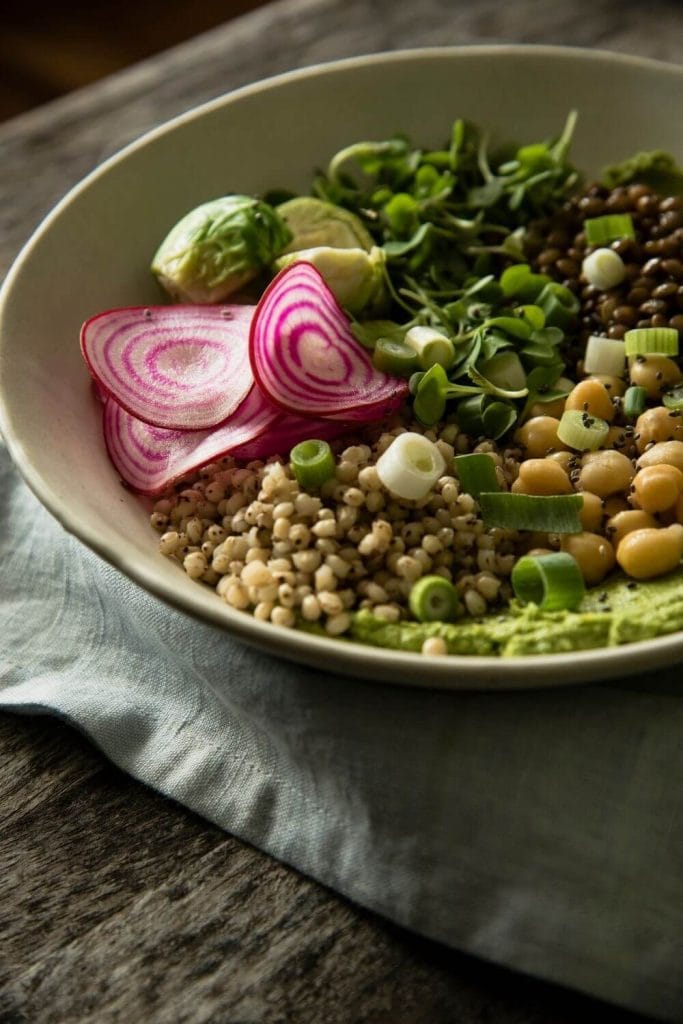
{"points": [[654, 373], [591, 511], [541, 476], [657, 488], [538, 435], [606, 473], [563, 459], [644, 554], [627, 521], [554, 408], [592, 396], [593, 553], [657, 424], [668, 452], [615, 504], [614, 385], [616, 438], [536, 541]]}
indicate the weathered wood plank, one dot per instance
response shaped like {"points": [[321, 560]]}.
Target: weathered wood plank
{"points": [[39, 765], [81, 851]]}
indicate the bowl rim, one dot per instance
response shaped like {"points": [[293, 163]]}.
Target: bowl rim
{"points": [[456, 672]]}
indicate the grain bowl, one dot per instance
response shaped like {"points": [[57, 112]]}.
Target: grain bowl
{"points": [[93, 253]]}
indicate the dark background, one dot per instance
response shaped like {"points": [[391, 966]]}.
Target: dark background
{"points": [[50, 47]]}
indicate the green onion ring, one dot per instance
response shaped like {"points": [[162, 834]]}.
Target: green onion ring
{"points": [[312, 462], [553, 582]]}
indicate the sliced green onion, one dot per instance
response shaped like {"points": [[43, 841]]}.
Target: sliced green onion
{"points": [[394, 357], [430, 347], [604, 355], [410, 466], [434, 599], [546, 513], [559, 305], [672, 399], [581, 431], [312, 462], [651, 341], [477, 473], [608, 228], [635, 402], [553, 582], [604, 269]]}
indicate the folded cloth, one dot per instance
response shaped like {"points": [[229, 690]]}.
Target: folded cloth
{"points": [[540, 830]]}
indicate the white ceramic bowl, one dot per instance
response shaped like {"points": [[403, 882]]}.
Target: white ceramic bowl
{"points": [[93, 252]]}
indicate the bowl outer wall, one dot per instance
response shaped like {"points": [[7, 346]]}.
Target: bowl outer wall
{"points": [[93, 252]]}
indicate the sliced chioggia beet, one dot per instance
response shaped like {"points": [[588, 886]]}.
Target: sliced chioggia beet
{"points": [[179, 367], [305, 358], [281, 436], [150, 458]]}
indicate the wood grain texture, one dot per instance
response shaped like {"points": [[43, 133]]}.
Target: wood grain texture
{"points": [[118, 905]]}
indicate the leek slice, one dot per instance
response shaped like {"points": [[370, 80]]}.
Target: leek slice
{"points": [[635, 402], [430, 346], [410, 466], [553, 582], [609, 228], [581, 431], [547, 513], [672, 399], [650, 341], [604, 355]]}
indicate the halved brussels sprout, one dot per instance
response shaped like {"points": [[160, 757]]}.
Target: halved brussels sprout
{"points": [[219, 247], [315, 222], [355, 277]]}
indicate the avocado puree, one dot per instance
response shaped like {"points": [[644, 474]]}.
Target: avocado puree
{"points": [[611, 614]]}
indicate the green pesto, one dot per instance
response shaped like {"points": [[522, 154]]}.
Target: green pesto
{"points": [[609, 615]]}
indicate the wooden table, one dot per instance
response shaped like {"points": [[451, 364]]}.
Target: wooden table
{"points": [[115, 903]]}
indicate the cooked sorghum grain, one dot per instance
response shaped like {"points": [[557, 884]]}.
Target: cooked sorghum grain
{"points": [[280, 553]]}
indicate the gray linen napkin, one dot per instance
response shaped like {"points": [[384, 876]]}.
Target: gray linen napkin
{"points": [[540, 830]]}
